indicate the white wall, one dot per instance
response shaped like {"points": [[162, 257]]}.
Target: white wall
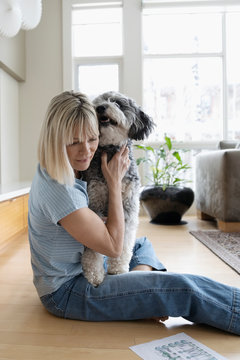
{"points": [[9, 129], [12, 70], [12, 55], [43, 81]]}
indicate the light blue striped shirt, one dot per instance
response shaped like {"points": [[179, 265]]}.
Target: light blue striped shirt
{"points": [[55, 254]]}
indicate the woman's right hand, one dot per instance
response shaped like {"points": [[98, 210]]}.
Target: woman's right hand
{"points": [[116, 168]]}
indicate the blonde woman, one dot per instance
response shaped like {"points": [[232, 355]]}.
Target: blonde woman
{"points": [[61, 225]]}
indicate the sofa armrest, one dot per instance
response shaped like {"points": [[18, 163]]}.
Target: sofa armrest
{"points": [[218, 184]]}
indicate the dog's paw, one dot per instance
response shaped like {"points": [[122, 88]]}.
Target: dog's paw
{"points": [[115, 267], [94, 278], [93, 268]]}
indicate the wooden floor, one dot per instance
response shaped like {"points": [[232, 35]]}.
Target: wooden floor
{"points": [[28, 332]]}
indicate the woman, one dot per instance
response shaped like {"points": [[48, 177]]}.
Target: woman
{"points": [[61, 224]]}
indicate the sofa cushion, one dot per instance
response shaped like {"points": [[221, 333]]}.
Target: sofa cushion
{"points": [[227, 144]]}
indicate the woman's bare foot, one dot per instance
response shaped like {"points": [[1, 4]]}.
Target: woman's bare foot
{"points": [[162, 319], [142, 268]]}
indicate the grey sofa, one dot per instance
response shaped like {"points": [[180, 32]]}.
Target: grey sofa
{"points": [[218, 186]]}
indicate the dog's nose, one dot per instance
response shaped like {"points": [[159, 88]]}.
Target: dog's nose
{"points": [[100, 109]]}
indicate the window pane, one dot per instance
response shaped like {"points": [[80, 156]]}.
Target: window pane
{"points": [[96, 79], [233, 75], [181, 33], [184, 97], [97, 32]]}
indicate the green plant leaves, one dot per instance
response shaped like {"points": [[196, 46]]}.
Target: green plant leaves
{"points": [[168, 142], [177, 156], [165, 164]]}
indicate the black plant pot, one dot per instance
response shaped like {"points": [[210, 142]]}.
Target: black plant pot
{"points": [[166, 206]]}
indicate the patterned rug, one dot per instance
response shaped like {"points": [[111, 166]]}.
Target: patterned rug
{"points": [[224, 245]]}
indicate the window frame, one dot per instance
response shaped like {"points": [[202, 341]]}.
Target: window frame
{"points": [[104, 60], [131, 62], [222, 56]]}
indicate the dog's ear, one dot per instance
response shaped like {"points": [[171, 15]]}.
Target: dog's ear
{"points": [[142, 126]]}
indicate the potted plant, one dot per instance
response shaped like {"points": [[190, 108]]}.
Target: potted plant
{"points": [[166, 199]]}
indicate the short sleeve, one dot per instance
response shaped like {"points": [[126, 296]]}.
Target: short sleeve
{"points": [[55, 200], [63, 200]]}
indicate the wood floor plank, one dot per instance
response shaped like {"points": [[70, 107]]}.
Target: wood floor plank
{"points": [[22, 352]]}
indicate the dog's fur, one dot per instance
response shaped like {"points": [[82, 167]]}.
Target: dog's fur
{"points": [[120, 120]]}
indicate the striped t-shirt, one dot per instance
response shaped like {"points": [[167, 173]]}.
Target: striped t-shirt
{"points": [[55, 254]]}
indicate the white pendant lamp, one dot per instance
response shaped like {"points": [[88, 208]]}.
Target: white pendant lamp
{"points": [[31, 13], [17, 14], [10, 17]]}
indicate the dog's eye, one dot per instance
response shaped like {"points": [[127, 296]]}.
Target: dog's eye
{"points": [[117, 104]]}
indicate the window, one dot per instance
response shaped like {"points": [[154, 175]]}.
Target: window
{"points": [[96, 79], [184, 98], [97, 46], [178, 59], [191, 86], [233, 75]]}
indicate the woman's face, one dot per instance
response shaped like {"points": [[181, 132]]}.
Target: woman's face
{"points": [[80, 154]]}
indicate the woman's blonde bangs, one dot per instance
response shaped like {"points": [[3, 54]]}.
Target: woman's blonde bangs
{"points": [[83, 127]]}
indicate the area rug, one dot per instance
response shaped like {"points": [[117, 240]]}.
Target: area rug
{"points": [[224, 245]]}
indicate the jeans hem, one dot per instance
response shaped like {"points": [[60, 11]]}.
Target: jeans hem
{"points": [[234, 325], [145, 260]]}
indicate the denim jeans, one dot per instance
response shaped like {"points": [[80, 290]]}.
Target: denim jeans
{"points": [[146, 294]]}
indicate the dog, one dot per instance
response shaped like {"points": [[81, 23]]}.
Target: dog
{"points": [[121, 120]]}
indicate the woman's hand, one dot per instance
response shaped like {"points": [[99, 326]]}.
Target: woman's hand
{"points": [[116, 168]]}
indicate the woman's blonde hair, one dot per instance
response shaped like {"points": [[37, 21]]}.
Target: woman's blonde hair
{"points": [[67, 113]]}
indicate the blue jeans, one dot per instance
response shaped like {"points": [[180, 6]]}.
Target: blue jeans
{"points": [[143, 294]]}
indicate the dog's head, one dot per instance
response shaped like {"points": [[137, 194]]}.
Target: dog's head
{"points": [[120, 118]]}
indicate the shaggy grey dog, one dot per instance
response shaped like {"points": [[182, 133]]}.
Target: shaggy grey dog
{"points": [[120, 121]]}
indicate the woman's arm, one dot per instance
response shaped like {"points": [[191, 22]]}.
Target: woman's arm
{"points": [[86, 227]]}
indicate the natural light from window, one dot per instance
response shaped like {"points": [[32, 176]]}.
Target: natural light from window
{"points": [[181, 33], [184, 98], [97, 32], [190, 69], [96, 43], [233, 75], [183, 89], [96, 79]]}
